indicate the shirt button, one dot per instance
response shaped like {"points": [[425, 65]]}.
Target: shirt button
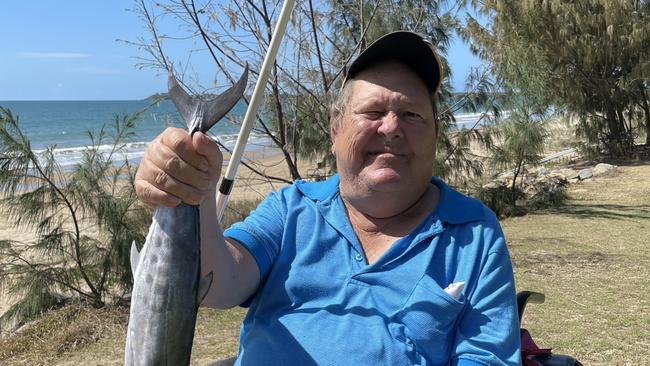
{"points": [[358, 257]]}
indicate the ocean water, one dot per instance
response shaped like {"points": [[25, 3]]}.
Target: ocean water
{"points": [[65, 125]]}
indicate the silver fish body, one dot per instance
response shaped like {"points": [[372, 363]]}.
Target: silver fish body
{"points": [[166, 289], [167, 283]]}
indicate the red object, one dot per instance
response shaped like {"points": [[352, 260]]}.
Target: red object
{"points": [[529, 349]]}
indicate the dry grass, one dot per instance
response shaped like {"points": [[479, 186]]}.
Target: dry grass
{"points": [[216, 338], [592, 260], [60, 333]]}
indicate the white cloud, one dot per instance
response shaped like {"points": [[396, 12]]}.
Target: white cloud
{"points": [[52, 55]]}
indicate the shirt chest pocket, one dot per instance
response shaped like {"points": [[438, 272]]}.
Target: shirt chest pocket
{"points": [[428, 320]]}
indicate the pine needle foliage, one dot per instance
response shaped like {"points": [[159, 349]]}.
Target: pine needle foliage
{"points": [[456, 159], [522, 137], [84, 221], [589, 57]]}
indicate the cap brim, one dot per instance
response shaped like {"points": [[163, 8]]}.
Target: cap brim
{"points": [[406, 47]]}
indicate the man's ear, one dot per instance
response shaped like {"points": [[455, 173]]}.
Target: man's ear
{"points": [[333, 133]]}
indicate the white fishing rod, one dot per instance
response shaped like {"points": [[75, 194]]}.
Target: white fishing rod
{"points": [[247, 124]]}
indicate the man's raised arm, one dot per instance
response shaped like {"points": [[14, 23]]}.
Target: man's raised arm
{"points": [[179, 168]]}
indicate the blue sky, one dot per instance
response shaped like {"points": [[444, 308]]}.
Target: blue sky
{"points": [[68, 50]]}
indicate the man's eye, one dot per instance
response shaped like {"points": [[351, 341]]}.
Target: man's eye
{"points": [[412, 115], [373, 114]]}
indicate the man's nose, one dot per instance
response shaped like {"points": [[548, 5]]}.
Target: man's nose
{"points": [[390, 126]]}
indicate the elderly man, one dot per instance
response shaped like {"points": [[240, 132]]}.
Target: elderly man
{"points": [[381, 264]]}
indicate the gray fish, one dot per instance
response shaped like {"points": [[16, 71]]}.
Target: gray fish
{"points": [[167, 283]]}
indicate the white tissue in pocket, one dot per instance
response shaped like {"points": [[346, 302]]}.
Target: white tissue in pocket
{"points": [[455, 289]]}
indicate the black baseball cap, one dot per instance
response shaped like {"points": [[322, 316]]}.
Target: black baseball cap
{"points": [[407, 47]]}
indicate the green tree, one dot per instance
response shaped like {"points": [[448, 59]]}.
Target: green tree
{"points": [[522, 136], [590, 57], [84, 221]]}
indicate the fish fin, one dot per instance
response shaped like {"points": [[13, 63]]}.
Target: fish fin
{"points": [[204, 287], [135, 258], [216, 108], [185, 104]]}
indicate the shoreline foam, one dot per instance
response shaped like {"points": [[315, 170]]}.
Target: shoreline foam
{"points": [[68, 157]]}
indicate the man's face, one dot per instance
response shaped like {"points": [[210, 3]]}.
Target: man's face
{"points": [[386, 138]]}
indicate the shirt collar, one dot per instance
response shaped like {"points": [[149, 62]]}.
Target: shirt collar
{"points": [[319, 191], [454, 207]]}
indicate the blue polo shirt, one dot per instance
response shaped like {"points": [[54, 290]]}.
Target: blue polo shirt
{"points": [[320, 303]]}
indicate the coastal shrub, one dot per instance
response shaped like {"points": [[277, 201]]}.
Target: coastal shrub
{"points": [[537, 195], [83, 221], [499, 198], [549, 193], [523, 135]]}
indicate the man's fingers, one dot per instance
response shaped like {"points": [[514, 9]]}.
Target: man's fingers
{"points": [[162, 181], [153, 196], [208, 148], [178, 167], [180, 142], [174, 165]]}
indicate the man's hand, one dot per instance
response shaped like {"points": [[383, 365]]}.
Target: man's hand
{"points": [[178, 167]]}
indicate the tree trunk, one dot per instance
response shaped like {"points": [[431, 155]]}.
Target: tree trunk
{"points": [[615, 139], [645, 105], [627, 139], [647, 124], [513, 189]]}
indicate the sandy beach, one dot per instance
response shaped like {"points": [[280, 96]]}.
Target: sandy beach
{"points": [[248, 186]]}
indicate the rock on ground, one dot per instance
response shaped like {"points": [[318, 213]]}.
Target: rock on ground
{"points": [[585, 174], [568, 173], [604, 169]]}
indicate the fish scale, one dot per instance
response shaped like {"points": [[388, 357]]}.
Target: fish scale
{"points": [[167, 283]]}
